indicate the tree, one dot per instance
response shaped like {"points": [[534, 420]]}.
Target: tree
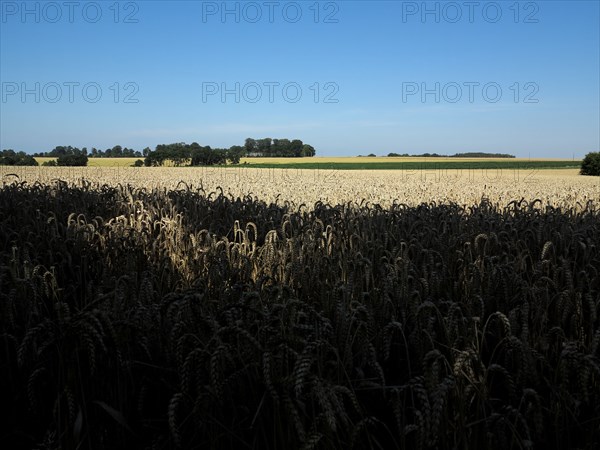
{"points": [[200, 155], [235, 153], [60, 150], [264, 146], [295, 147], [218, 156], [70, 156], [308, 150], [178, 153], [72, 160], [281, 147], [591, 164], [250, 145]]}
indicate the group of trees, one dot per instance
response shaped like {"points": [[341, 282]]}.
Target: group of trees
{"points": [[196, 155], [278, 148], [178, 153], [116, 152], [193, 154], [65, 156], [11, 158]]}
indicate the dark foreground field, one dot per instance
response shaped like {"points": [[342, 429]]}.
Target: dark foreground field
{"points": [[150, 319]]}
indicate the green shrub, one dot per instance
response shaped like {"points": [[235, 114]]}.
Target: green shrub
{"points": [[591, 164]]}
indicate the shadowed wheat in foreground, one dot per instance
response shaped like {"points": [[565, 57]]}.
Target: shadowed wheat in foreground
{"points": [[135, 318]]}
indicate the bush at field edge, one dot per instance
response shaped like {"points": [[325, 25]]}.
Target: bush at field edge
{"points": [[591, 164]]}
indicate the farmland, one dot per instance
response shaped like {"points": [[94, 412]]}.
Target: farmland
{"points": [[375, 163], [559, 187], [240, 307], [411, 163]]}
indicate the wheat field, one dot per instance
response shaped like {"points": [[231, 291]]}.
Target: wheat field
{"points": [[558, 187], [180, 308]]}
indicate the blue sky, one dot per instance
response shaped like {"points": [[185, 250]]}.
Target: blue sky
{"points": [[347, 77]]}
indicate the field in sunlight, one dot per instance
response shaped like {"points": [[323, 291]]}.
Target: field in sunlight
{"points": [[299, 185]]}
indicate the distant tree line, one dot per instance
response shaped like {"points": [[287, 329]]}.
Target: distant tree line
{"points": [[196, 155], [65, 156], [177, 154], [118, 152], [11, 158], [456, 155], [193, 154], [268, 147]]}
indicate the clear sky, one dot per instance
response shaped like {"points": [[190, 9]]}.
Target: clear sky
{"points": [[348, 77]]}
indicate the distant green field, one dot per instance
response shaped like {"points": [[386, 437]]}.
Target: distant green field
{"points": [[426, 165]]}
